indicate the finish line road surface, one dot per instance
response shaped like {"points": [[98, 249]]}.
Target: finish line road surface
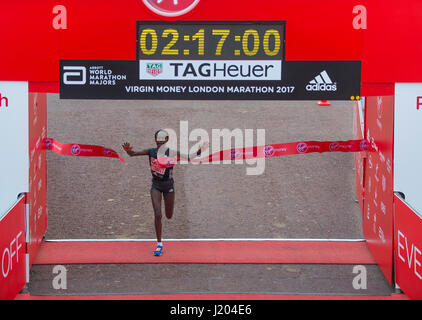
{"points": [[303, 196], [299, 196]]}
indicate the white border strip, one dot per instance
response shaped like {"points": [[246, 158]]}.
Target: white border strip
{"points": [[361, 110], [27, 267], [27, 208], [223, 239]]}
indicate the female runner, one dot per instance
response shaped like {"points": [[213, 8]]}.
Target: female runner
{"points": [[162, 184]]}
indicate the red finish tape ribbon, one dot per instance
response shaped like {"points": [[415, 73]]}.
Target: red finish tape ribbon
{"points": [[276, 150], [80, 150], [266, 151]]}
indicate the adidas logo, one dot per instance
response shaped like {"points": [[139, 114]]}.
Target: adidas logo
{"points": [[322, 82]]}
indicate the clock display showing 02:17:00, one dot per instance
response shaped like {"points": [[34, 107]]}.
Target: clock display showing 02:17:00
{"points": [[210, 41]]}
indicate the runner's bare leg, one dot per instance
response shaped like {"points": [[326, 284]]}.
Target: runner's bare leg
{"points": [[156, 205], [169, 204]]}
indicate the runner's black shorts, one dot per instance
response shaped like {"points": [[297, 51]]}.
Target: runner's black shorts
{"points": [[166, 186]]}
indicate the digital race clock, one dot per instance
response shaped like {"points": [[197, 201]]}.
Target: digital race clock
{"points": [[211, 41]]}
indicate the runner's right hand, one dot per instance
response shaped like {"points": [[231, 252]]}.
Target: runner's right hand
{"points": [[127, 147]]}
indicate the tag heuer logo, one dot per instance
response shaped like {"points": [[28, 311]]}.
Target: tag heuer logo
{"points": [[154, 68]]}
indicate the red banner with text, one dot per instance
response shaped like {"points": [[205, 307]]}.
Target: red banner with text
{"points": [[378, 204], [359, 157], [37, 195], [12, 251], [408, 249]]}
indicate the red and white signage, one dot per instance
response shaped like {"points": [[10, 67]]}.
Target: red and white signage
{"points": [[171, 8], [419, 103], [378, 203], [37, 195], [14, 160], [408, 249], [407, 137], [12, 251], [359, 157]]}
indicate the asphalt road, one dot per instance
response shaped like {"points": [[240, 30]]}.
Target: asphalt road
{"points": [[300, 196]]}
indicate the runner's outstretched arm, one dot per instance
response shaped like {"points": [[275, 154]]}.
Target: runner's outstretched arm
{"points": [[191, 156], [128, 148]]}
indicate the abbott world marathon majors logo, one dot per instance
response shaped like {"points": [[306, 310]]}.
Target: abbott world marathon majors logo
{"points": [[322, 82], [95, 75]]}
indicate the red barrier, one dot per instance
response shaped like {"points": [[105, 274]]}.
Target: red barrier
{"points": [[12, 251], [359, 157], [408, 249], [378, 203], [37, 195]]}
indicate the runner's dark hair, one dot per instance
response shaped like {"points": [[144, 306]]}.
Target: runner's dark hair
{"points": [[159, 131]]}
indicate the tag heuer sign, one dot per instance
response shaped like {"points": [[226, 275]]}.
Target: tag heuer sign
{"points": [[170, 8], [154, 68]]}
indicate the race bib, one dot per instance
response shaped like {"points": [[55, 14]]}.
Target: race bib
{"points": [[156, 168]]}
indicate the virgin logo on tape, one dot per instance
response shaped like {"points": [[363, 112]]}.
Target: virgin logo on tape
{"points": [[76, 149], [171, 8]]}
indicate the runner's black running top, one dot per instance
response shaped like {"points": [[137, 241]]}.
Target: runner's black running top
{"points": [[159, 173]]}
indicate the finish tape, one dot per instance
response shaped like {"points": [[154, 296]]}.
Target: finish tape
{"points": [[266, 151], [274, 150], [80, 150]]}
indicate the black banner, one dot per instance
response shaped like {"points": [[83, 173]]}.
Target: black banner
{"points": [[228, 80]]}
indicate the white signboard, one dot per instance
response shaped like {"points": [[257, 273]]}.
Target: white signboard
{"points": [[209, 70], [14, 159], [408, 143]]}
